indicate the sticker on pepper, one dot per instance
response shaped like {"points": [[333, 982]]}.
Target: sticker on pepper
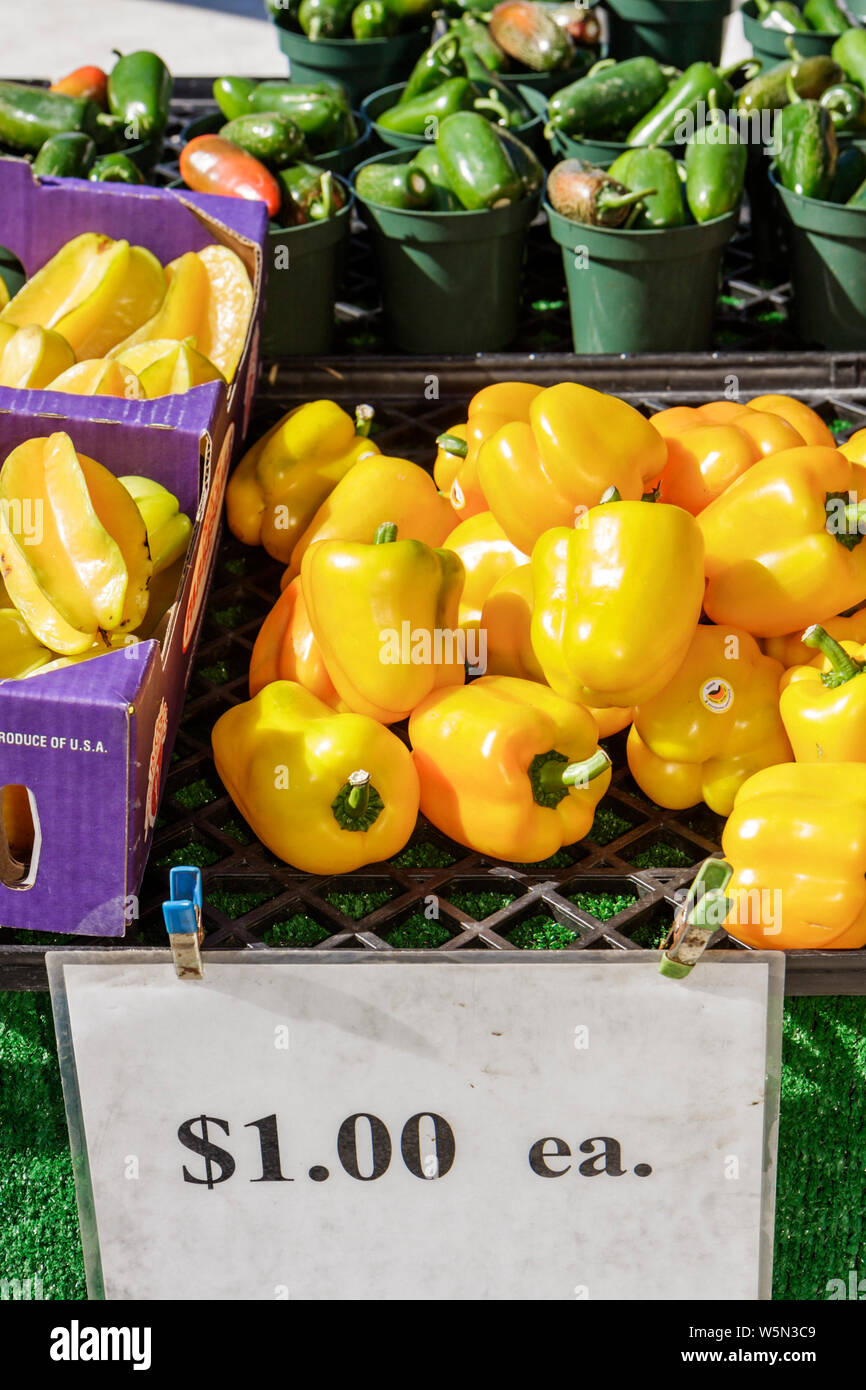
{"points": [[717, 696]]}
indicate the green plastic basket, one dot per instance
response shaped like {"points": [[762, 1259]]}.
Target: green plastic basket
{"points": [[673, 31], [363, 66]]}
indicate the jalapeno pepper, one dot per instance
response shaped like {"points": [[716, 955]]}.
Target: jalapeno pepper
{"points": [[116, 168], [825, 17], [68, 155], [807, 150], [583, 193], [232, 95], [476, 162], [849, 52], [683, 100], [324, 19], [471, 33], [31, 115], [642, 169], [715, 167], [322, 112], [403, 186], [209, 164], [372, 20], [782, 15], [419, 117], [429, 161], [850, 173], [89, 82], [436, 64], [268, 136], [310, 194], [528, 33], [768, 91], [139, 94], [610, 96]]}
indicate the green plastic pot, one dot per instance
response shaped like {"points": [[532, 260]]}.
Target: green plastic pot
{"points": [[828, 270], [363, 66], [341, 161], [450, 280], [769, 44], [652, 291], [600, 152], [377, 102], [672, 31], [299, 302]]}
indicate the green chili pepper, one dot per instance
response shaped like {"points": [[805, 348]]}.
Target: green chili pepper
{"points": [[682, 102], [847, 106], [139, 95], [806, 147], [476, 162], [372, 20], [232, 95], [472, 33], [579, 191], [642, 169], [611, 96], [419, 117], [68, 155], [850, 173], [322, 113], [116, 168], [310, 194], [269, 136], [31, 115], [403, 186], [324, 19], [429, 161], [715, 167], [768, 91], [850, 53], [436, 64], [825, 17], [782, 15]]}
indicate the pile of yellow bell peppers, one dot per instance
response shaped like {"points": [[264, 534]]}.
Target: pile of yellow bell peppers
{"points": [[568, 570]]}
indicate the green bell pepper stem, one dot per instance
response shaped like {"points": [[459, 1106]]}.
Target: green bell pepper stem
{"points": [[844, 666], [385, 533], [357, 805], [364, 420], [552, 776], [453, 445]]}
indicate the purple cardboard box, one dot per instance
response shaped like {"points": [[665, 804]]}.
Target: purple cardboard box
{"points": [[92, 742]]}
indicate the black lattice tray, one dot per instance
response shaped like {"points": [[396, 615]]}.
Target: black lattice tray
{"points": [[616, 890]]}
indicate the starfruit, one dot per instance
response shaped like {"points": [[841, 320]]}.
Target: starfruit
{"points": [[99, 377], [20, 652], [165, 367], [73, 546], [94, 291], [33, 357], [168, 528]]}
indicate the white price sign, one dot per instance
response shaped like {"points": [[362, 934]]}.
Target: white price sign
{"points": [[472, 1126]]}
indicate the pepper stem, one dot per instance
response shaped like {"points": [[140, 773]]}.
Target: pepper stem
{"points": [[364, 420], [606, 199], [386, 533], [551, 774], [323, 206], [453, 444], [610, 494], [844, 667], [793, 51], [357, 805], [491, 103], [793, 95], [750, 67]]}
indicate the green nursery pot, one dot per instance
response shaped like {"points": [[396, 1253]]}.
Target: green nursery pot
{"points": [[377, 102], [450, 280], [678, 32], [647, 291], [769, 44], [304, 269], [828, 270], [362, 65]]}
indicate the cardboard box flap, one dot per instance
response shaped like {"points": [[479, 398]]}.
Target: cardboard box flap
{"points": [[109, 680]]}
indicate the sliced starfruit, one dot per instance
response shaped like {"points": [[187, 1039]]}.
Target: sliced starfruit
{"points": [[33, 357], [183, 312], [168, 528], [230, 308], [20, 652], [119, 515], [99, 377], [167, 368], [94, 291], [36, 607], [7, 331]]}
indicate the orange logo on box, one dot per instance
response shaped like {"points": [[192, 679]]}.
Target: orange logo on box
{"points": [[154, 776], [207, 541]]}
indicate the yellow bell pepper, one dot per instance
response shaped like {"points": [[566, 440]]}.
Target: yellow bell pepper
{"points": [[799, 416], [783, 545], [374, 490], [487, 554], [286, 650], [385, 619], [616, 601], [507, 767], [797, 841], [325, 792], [715, 724], [506, 621], [283, 479], [855, 449], [457, 459], [791, 651], [823, 705], [576, 444]]}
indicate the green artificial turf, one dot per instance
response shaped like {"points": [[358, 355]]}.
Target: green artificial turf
{"points": [[820, 1212]]}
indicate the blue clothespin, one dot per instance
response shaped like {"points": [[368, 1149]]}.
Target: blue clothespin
{"points": [[183, 921]]}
